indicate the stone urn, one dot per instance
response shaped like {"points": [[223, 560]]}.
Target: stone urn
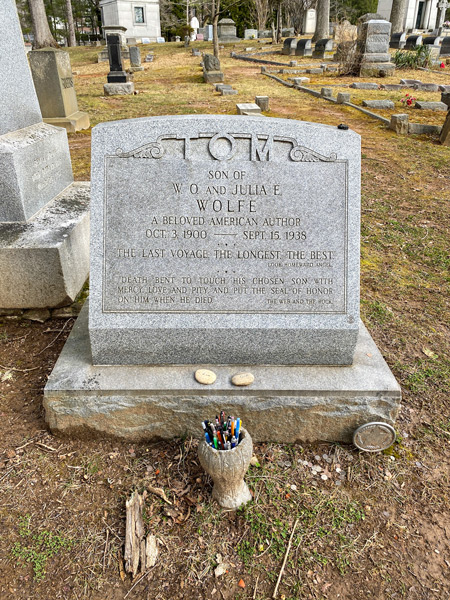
{"points": [[227, 469]]}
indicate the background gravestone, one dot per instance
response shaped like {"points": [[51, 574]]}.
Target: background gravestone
{"points": [[44, 216], [118, 80], [135, 59], [373, 48], [53, 80], [226, 29], [245, 253]]}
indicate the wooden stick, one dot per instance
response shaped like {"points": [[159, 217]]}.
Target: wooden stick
{"points": [[106, 548], [256, 587], [285, 560], [19, 370]]}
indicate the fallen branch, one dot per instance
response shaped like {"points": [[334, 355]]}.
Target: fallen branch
{"points": [[159, 492], [285, 560], [19, 370]]}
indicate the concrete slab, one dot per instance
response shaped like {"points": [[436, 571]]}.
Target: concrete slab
{"points": [[285, 403]]}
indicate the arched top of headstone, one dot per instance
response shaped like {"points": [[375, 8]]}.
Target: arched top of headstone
{"points": [[398, 37], [413, 41], [432, 40], [304, 43], [226, 22], [326, 43]]}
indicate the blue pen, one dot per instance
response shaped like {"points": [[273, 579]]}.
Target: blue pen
{"points": [[238, 426]]}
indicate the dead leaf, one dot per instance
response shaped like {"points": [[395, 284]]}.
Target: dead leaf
{"points": [[429, 353], [241, 583], [7, 376], [159, 492]]}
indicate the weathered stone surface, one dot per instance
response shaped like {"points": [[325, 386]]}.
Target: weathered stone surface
{"points": [[398, 40], [227, 469], [413, 41], [421, 128], [410, 82], [243, 379], [211, 63], [383, 104], [430, 105], [444, 88], [377, 69], [19, 106], [118, 89], [220, 86], [392, 87], [289, 46], [53, 80], [301, 80], [213, 76], [34, 167], [322, 48], [135, 56], [45, 262], [247, 322], [343, 97], [228, 92], [303, 48], [205, 376], [313, 71], [142, 403], [427, 87], [444, 137], [445, 98], [75, 122], [226, 29], [262, 102], [364, 85], [248, 107], [445, 47], [327, 92], [399, 123]]}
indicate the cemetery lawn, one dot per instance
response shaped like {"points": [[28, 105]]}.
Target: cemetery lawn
{"points": [[369, 526]]}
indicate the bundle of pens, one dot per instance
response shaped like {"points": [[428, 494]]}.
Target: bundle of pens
{"points": [[224, 434]]}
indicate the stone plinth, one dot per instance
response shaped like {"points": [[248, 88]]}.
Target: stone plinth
{"points": [[213, 76], [118, 89], [284, 404], [34, 167], [45, 261], [53, 80]]}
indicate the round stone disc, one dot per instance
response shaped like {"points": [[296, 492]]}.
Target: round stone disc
{"points": [[374, 437]]}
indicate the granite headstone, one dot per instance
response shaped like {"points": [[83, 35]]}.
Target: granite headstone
{"points": [[53, 80], [239, 245], [44, 216]]}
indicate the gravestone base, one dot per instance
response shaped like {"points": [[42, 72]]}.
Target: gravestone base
{"points": [[377, 69], [135, 69], [118, 89], [284, 404], [75, 122], [45, 261], [212, 76]]}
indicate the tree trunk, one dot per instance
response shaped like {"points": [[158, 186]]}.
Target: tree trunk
{"points": [[397, 18], [41, 31], [71, 40], [323, 20], [279, 24], [216, 12]]}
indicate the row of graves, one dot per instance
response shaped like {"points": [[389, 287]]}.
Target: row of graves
{"points": [[230, 242]]}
